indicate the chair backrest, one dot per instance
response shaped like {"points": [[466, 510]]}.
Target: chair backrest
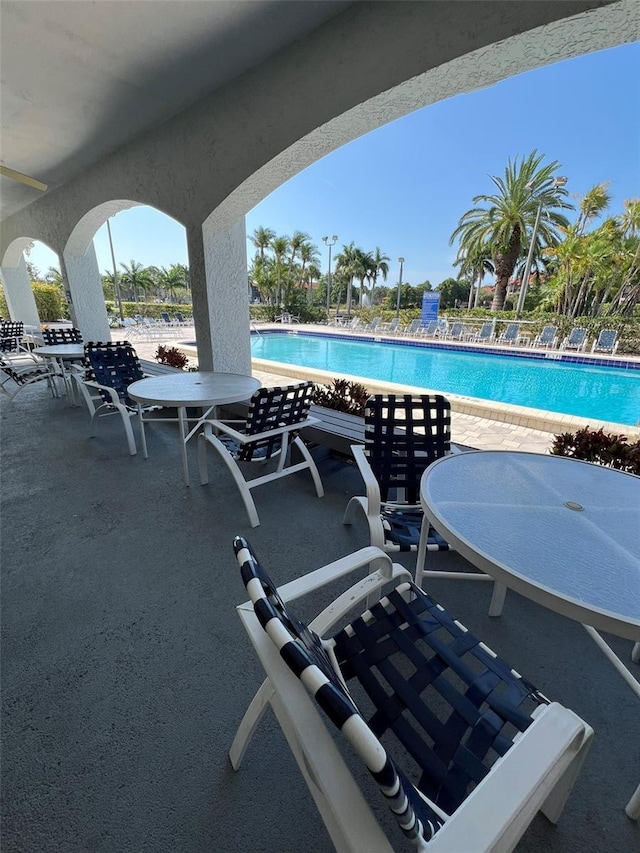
{"points": [[486, 330], [403, 435], [430, 328], [414, 326], [512, 331], [577, 336], [115, 365], [456, 329], [10, 335], [481, 703], [548, 334], [606, 339], [271, 408], [165, 317], [179, 317], [51, 337]]}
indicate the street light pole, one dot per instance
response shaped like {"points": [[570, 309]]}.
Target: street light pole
{"points": [[325, 240], [401, 262], [557, 182], [116, 284]]}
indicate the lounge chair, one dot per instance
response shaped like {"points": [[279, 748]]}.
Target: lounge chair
{"points": [[429, 329], [577, 339], [607, 341], [19, 371], [271, 429], [456, 332], [414, 327], [485, 335], [390, 328], [547, 338], [424, 705], [373, 325], [511, 334]]}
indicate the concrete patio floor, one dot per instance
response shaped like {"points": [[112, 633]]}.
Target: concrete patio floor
{"points": [[125, 669]]}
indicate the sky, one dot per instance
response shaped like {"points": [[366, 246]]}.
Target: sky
{"points": [[404, 187]]}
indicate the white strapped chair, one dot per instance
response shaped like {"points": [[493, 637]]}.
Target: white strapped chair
{"points": [[271, 429], [463, 749]]}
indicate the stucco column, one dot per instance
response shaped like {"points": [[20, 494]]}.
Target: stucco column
{"points": [[19, 295], [85, 288], [218, 276]]}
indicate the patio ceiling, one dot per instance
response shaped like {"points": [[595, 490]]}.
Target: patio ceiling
{"points": [[81, 79]]}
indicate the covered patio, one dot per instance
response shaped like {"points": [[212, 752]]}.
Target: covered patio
{"points": [[126, 669]]}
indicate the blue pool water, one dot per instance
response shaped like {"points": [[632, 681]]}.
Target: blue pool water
{"points": [[589, 391]]}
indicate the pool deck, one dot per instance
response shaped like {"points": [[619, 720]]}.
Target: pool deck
{"points": [[476, 423]]}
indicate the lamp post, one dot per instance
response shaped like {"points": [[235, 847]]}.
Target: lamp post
{"points": [[325, 240], [116, 284], [557, 182], [401, 262]]}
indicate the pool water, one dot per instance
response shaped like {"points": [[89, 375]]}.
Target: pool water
{"points": [[585, 390]]}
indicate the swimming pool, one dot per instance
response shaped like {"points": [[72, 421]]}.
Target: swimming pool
{"points": [[542, 382]]}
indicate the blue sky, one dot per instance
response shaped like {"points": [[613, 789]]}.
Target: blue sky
{"points": [[404, 187]]}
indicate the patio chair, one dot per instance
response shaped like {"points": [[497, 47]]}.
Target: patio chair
{"points": [[390, 328], [11, 334], [52, 337], [577, 339], [607, 341], [485, 335], [354, 324], [103, 381], [456, 332], [403, 435], [429, 329], [18, 372], [465, 751], [181, 320], [373, 325], [511, 334], [413, 327], [271, 430], [547, 338]]}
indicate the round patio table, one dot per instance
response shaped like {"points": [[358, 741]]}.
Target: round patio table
{"points": [[61, 353], [562, 532], [204, 389]]}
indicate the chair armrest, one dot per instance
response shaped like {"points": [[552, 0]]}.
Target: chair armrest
{"points": [[91, 383], [242, 438], [371, 484]]}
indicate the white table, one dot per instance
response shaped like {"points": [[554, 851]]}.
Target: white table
{"points": [[204, 389], [61, 353], [559, 531]]}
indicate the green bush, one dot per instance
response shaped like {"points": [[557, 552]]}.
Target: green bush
{"points": [[49, 302], [600, 447], [343, 396]]}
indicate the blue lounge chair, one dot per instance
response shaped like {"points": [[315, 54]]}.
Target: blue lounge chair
{"points": [[414, 327], [607, 341], [577, 339], [511, 334], [485, 335], [456, 332], [547, 337]]}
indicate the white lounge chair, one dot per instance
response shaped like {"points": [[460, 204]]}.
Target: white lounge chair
{"points": [[577, 339], [607, 341], [547, 338]]}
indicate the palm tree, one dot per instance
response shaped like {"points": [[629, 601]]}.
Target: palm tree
{"points": [[261, 239], [379, 266], [348, 262], [136, 276], [509, 216], [474, 262], [280, 246]]}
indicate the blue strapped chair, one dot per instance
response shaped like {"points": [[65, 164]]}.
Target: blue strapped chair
{"points": [[607, 341], [18, 372], [511, 334], [464, 750], [577, 339], [547, 338], [103, 381], [61, 336], [403, 435], [272, 427], [485, 334]]}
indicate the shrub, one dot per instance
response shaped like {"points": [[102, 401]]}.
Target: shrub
{"points": [[172, 357], [343, 396], [600, 447], [49, 302]]}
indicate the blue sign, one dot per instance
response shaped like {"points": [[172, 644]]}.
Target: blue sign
{"points": [[430, 305]]}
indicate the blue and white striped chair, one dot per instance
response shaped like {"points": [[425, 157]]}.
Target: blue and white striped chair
{"points": [[464, 750]]}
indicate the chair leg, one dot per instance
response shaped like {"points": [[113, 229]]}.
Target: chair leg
{"points": [[249, 723], [554, 805], [633, 806], [143, 437], [497, 599], [202, 458], [236, 473], [304, 450]]}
